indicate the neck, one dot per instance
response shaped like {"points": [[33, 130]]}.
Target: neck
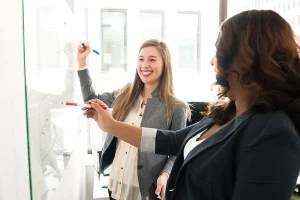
{"points": [[147, 91], [241, 106]]}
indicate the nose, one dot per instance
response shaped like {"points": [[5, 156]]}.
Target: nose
{"points": [[212, 61], [144, 64]]}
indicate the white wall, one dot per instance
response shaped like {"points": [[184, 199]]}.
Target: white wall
{"points": [[14, 179]]}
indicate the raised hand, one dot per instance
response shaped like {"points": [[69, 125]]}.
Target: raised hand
{"points": [[83, 50]]}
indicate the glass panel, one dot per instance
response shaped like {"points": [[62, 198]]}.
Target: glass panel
{"points": [[151, 25], [54, 129], [114, 40], [187, 40]]}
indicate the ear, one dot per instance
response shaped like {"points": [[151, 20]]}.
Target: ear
{"points": [[253, 86], [248, 83]]}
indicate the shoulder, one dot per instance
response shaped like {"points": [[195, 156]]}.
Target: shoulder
{"points": [[266, 126], [273, 119], [179, 107], [182, 108], [178, 104]]}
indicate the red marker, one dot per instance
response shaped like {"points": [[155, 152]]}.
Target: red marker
{"points": [[81, 105]]}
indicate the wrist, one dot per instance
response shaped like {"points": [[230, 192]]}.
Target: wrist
{"points": [[81, 64], [112, 125], [165, 174]]}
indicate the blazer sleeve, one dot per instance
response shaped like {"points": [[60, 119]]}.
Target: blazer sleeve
{"points": [[164, 142], [268, 167], [178, 122], [88, 91]]}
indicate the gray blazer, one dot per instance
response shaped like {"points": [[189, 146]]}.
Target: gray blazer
{"points": [[150, 165]]}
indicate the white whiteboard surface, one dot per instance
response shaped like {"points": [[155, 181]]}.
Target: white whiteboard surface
{"points": [[57, 134]]}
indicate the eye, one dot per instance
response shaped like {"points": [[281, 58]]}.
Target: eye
{"points": [[152, 60], [141, 59]]}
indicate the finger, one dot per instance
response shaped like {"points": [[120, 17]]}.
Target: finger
{"points": [[99, 102], [95, 101], [89, 112], [80, 48], [98, 107], [163, 192], [84, 108], [86, 44], [158, 189], [86, 113]]}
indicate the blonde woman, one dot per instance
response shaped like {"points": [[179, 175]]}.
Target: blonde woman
{"points": [[148, 101]]}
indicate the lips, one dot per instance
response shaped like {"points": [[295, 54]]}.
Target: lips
{"points": [[146, 73]]}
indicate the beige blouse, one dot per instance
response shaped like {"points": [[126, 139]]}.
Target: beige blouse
{"points": [[123, 181]]}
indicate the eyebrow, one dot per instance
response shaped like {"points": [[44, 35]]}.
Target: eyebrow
{"points": [[149, 56]]}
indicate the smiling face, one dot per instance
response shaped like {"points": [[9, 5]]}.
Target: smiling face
{"points": [[150, 66]]}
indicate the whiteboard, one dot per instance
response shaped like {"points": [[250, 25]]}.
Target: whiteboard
{"points": [[55, 131]]}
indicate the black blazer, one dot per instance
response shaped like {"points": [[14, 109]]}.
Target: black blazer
{"points": [[253, 157]]}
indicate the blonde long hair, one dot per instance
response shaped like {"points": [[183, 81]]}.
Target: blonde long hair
{"points": [[126, 97]]}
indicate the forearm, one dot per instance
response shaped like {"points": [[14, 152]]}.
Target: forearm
{"points": [[87, 89], [128, 133], [168, 166]]}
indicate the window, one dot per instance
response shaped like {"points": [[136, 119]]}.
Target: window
{"points": [[123, 26], [188, 33], [114, 42], [151, 25], [293, 22], [285, 10]]}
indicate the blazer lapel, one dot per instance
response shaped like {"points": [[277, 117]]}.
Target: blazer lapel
{"points": [[152, 105], [201, 126], [219, 136]]}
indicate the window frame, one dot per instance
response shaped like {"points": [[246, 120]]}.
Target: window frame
{"points": [[198, 67], [163, 20], [103, 10]]}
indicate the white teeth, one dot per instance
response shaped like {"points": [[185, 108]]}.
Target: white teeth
{"points": [[146, 73]]}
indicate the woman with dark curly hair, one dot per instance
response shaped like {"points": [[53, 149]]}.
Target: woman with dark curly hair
{"points": [[247, 147]]}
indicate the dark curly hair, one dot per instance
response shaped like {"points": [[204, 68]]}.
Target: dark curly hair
{"points": [[263, 46]]}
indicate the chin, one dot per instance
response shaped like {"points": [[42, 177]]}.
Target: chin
{"points": [[146, 81], [229, 96], [228, 99]]}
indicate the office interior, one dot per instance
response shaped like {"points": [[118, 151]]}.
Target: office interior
{"points": [[50, 151]]}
